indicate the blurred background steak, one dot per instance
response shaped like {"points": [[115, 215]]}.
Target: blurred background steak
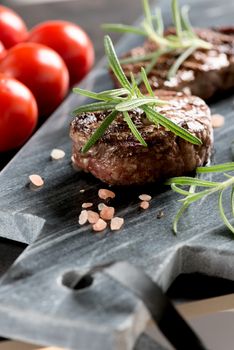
{"points": [[202, 74]]}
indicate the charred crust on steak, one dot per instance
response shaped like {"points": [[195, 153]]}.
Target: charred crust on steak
{"points": [[203, 73], [118, 158]]}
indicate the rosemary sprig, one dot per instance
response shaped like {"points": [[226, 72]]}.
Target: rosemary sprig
{"points": [[125, 99], [183, 43], [177, 184]]}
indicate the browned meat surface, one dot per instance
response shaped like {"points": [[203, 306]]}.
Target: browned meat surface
{"points": [[118, 159], [203, 73]]}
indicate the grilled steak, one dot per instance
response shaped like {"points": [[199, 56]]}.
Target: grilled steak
{"points": [[118, 159], [203, 73]]}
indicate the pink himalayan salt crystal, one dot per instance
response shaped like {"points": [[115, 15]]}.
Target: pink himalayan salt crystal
{"points": [[87, 205], [107, 213], [105, 194], [100, 225], [217, 120], [36, 180], [57, 154], [83, 218], [116, 223], [93, 217], [145, 197], [144, 205]]}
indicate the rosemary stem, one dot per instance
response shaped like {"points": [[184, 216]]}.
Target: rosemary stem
{"points": [[220, 187], [226, 183]]}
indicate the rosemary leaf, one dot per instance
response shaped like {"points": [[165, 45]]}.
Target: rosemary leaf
{"points": [[170, 125], [187, 181], [159, 22], [156, 56], [152, 34], [182, 210], [186, 25], [232, 200], [112, 93], [151, 64], [94, 95], [227, 175], [177, 189], [146, 82], [198, 195], [138, 58], [134, 84], [147, 12], [100, 131], [151, 119], [133, 129], [114, 63], [104, 95], [178, 216], [95, 107], [219, 168], [137, 102], [222, 213], [176, 65], [177, 18], [121, 28]]}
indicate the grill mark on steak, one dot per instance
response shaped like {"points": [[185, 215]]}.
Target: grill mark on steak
{"points": [[119, 159], [203, 73]]}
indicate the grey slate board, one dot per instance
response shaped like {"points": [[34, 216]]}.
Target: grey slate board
{"points": [[34, 305]]}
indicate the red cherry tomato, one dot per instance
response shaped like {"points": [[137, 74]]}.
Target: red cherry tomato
{"points": [[71, 42], [18, 115], [2, 51], [12, 28], [42, 70]]}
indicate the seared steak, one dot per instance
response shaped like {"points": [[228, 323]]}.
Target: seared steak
{"points": [[118, 159], [203, 73]]}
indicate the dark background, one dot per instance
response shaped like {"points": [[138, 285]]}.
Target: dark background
{"points": [[89, 14]]}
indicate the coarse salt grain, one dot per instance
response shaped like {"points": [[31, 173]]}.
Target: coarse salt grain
{"points": [[93, 217], [145, 197], [144, 205], [105, 194], [116, 223], [36, 180], [107, 213], [87, 205], [83, 218], [217, 120], [57, 154], [100, 225]]}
